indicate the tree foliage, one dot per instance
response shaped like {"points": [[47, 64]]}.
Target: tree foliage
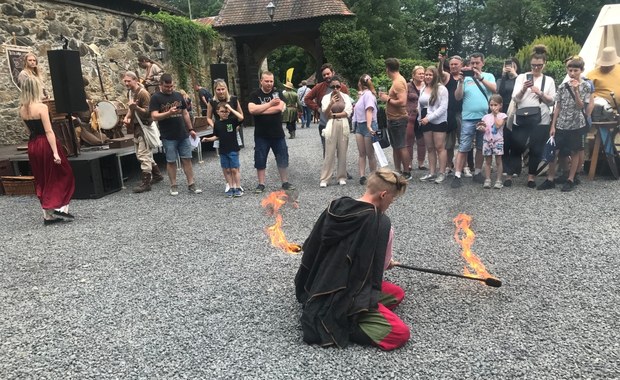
{"points": [[558, 49], [286, 57], [200, 8], [347, 47]]}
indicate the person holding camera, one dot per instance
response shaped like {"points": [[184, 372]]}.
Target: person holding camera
{"points": [[474, 88], [505, 86], [533, 94], [169, 109]]}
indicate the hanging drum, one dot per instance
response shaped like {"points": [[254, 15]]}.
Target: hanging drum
{"points": [[110, 114]]}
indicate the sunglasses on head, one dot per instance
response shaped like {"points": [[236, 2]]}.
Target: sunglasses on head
{"points": [[334, 86]]}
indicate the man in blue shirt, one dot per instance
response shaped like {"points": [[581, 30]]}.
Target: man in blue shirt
{"points": [[474, 90]]}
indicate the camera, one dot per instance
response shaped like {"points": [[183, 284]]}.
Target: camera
{"points": [[508, 62], [529, 76], [468, 73]]}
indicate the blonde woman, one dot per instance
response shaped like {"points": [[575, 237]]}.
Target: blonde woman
{"points": [[337, 107], [414, 134], [221, 94], [53, 175], [31, 70]]}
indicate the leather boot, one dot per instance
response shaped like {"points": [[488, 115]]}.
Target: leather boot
{"points": [[157, 177], [145, 185], [292, 133]]}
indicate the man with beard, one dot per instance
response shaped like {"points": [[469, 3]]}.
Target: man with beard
{"points": [[315, 96], [138, 104], [266, 106]]}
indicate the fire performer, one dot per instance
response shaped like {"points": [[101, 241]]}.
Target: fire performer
{"points": [[340, 281]]}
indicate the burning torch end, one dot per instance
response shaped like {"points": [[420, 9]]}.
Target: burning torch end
{"points": [[296, 248], [493, 282]]}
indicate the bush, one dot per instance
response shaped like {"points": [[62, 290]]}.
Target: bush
{"points": [[346, 47], [558, 49]]}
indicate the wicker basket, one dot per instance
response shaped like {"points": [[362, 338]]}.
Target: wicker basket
{"points": [[18, 185]]}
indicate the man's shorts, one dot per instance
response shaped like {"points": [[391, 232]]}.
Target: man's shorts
{"points": [[177, 148], [454, 129], [261, 151], [362, 129], [570, 140], [468, 133], [397, 131], [229, 160]]}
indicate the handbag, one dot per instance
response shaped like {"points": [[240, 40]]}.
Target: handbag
{"points": [[528, 116], [151, 134], [549, 150], [382, 138]]}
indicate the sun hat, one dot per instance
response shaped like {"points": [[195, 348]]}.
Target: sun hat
{"points": [[608, 57], [289, 85]]}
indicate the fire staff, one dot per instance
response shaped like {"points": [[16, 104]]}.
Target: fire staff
{"points": [[340, 281]]}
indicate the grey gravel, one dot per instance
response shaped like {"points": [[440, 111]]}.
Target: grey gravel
{"points": [[150, 286]]}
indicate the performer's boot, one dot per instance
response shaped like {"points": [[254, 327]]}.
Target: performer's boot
{"points": [[292, 133], [157, 177], [145, 185]]}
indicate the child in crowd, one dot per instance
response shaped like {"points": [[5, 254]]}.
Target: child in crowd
{"points": [[225, 131], [493, 142], [569, 125]]}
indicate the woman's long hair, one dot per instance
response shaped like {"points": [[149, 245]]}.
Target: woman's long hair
{"points": [[31, 93], [365, 82], [220, 83], [434, 84], [34, 71]]}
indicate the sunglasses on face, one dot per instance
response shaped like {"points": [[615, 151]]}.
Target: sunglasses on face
{"points": [[538, 66], [334, 86]]}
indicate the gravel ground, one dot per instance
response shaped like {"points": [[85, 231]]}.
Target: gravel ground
{"points": [[154, 286]]}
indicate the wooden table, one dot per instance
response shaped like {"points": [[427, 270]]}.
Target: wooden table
{"points": [[612, 128]]}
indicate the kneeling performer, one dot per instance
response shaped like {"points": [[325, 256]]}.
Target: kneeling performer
{"points": [[340, 281]]}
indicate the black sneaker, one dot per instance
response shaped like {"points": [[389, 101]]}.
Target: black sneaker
{"points": [[568, 186], [407, 176], [456, 183], [479, 178], [363, 181], [508, 182], [287, 186], [259, 189], [546, 185], [47, 222], [531, 184], [63, 216]]}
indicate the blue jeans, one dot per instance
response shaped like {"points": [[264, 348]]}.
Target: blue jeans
{"points": [[177, 148], [306, 116], [468, 133]]}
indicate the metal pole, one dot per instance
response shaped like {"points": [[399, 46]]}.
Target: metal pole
{"points": [[189, 6]]}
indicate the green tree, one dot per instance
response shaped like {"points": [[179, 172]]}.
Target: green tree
{"points": [[286, 57], [384, 25], [200, 8], [347, 47]]}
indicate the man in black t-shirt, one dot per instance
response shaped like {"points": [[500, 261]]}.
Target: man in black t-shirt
{"points": [[169, 109], [205, 97], [266, 106]]}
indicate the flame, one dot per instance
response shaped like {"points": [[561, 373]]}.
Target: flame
{"points": [[273, 202], [465, 237]]}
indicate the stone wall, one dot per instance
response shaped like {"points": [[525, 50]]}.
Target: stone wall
{"points": [[38, 24]]}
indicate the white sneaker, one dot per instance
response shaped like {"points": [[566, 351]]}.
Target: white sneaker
{"points": [[487, 183], [428, 178], [174, 190], [323, 184], [226, 188], [342, 182], [467, 172], [498, 185], [440, 178]]}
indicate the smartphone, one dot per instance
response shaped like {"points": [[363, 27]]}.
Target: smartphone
{"points": [[443, 49], [529, 76], [468, 73], [508, 62]]}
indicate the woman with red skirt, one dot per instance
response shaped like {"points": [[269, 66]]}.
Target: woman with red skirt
{"points": [[53, 176]]}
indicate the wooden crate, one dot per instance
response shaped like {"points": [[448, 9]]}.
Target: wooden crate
{"points": [[18, 185]]}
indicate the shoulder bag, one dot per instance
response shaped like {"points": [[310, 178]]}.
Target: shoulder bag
{"points": [[151, 134]]}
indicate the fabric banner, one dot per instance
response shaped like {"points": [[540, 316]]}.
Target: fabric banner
{"points": [[15, 58]]}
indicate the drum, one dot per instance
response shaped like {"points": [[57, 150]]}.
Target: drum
{"points": [[110, 113]]}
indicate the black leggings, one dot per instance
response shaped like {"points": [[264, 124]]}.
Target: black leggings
{"points": [[523, 136]]}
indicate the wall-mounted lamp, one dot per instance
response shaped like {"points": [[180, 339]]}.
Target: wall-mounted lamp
{"points": [[160, 52], [271, 10]]}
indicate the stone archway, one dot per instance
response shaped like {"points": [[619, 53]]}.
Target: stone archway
{"points": [[295, 22]]}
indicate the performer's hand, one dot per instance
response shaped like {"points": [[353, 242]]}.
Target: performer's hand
{"points": [[56, 158]]}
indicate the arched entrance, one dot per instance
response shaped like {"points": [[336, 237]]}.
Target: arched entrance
{"points": [[295, 22]]}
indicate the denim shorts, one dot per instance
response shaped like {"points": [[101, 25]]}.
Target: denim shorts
{"points": [[177, 148], [362, 129], [261, 151], [229, 160], [468, 133], [397, 130]]}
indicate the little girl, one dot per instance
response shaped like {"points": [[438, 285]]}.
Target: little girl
{"points": [[493, 142]]}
